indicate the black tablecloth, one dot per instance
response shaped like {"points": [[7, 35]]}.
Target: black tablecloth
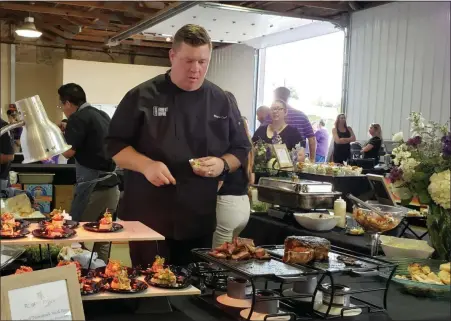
{"points": [[266, 230]]}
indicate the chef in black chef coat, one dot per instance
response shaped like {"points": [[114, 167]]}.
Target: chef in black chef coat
{"points": [[157, 128]]}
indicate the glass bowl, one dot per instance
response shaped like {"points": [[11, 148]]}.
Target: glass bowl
{"points": [[372, 223]]}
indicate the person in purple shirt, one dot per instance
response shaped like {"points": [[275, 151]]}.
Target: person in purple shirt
{"points": [[299, 120], [322, 142]]}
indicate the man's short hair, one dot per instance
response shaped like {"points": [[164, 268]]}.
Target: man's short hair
{"points": [[72, 93], [262, 108], [322, 122], [282, 93], [192, 35]]}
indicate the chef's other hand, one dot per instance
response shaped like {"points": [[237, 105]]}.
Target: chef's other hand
{"points": [[158, 174], [209, 167]]}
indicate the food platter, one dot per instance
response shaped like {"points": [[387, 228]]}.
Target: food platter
{"points": [[182, 275], [94, 227], [90, 286], [137, 286], [41, 233], [17, 234], [68, 223]]}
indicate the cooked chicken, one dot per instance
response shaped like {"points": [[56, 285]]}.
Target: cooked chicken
{"points": [[446, 267]]}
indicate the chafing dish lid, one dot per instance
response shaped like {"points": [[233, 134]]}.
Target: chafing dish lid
{"points": [[298, 186]]}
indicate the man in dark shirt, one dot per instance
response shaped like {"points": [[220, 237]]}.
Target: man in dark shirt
{"points": [[96, 189], [6, 156], [299, 120], [157, 128]]}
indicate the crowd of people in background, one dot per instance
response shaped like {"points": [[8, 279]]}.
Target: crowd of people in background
{"points": [[282, 123]]}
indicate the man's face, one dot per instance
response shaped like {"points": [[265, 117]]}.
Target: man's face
{"points": [[189, 65], [67, 108], [262, 115]]}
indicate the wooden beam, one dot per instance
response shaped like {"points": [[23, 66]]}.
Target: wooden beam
{"points": [[327, 5], [52, 10], [121, 6], [142, 43]]}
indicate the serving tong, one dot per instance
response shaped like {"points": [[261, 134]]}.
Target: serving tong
{"points": [[359, 202]]}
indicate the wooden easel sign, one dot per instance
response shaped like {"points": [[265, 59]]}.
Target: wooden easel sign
{"points": [[50, 294]]}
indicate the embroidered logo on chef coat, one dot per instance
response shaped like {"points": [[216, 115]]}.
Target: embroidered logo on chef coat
{"points": [[220, 117], [160, 111]]}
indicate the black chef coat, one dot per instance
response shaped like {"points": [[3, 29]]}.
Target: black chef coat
{"points": [[171, 125], [86, 130]]}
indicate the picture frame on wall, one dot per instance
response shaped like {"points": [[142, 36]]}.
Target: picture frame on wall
{"points": [[283, 156], [50, 294]]}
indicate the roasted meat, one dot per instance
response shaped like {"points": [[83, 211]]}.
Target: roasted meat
{"points": [[303, 244], [302, 257], [239, 249]]}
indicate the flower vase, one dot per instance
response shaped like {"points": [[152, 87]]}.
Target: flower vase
{"points": [[439, 227]]}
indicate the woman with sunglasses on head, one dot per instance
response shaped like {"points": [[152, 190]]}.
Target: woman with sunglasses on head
{"points": [[279, 132], [233, 205], [343, 137], [373, 146]]}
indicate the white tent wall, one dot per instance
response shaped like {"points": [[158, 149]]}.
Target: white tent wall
{"points": [[399, 62], [233, 69]]}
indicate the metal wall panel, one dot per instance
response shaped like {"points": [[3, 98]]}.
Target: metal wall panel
{"points": [[399, 62], [233, 69]]}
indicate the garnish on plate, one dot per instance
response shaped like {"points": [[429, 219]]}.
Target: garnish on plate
{"points": [[23, 269], [164, 277], [106, 222], [8, 218], [113, 268], [121, 281]]}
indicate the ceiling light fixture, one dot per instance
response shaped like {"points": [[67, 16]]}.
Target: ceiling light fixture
{"points": [[28, 29], [168, 39]]}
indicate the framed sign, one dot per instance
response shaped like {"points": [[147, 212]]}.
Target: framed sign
{"points": [[50, 294], [283, 156]]}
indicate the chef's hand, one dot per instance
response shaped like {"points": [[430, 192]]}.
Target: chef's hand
{"points": [[158, 174], [209, 167]]}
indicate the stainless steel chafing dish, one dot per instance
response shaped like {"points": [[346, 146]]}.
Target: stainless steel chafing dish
{"points": [[296, 194]]}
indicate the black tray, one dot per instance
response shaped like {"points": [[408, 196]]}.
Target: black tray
{"points": [[182, 275], [137, 287], [363, 263], [68, 233], [69, 223], [254, 268], [416, 220], [17, 235], [94, 227]]}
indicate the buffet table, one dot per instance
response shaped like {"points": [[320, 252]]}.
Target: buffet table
{"points": [[133, 231], [264, 230]]}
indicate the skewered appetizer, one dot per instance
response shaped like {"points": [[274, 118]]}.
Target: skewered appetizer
{"points": [[106, 222], [7, 229], [76, 263], [121, 281], [8, 218], [23, 269], [54, 231], [113, 268], [164, 277]]}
